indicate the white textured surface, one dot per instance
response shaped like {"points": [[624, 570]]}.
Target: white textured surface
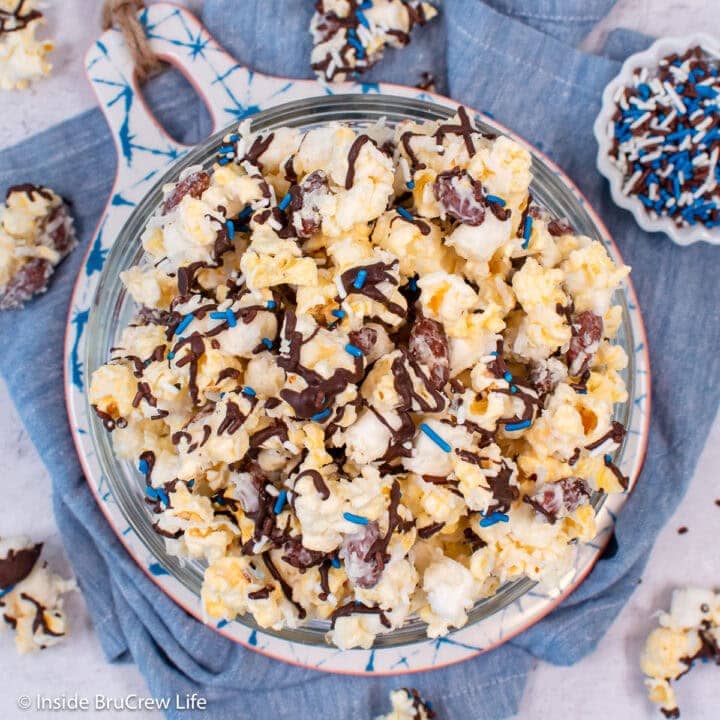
{"points": [[606, 684]]}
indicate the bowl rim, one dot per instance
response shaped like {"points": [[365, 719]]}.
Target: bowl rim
{"points": [[649, 59], [631, 299]]}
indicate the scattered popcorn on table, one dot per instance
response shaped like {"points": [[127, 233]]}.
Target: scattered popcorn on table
{"points": [[369, 378], [666, 138], [350, 36], [31, 600], [22, 56], [689, 632], [408, 705], [36, 233]]}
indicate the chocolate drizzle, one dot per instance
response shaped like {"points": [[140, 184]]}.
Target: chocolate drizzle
{"points": [[353, 154], [376, 273], [286, 589], [18, 564]]}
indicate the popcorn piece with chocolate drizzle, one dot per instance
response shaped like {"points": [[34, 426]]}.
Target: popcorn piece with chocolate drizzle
{"points": [[31, 600], [22, 56], [36, 233], [689, 632], [407, 704], [349, 383], [349, 36]]}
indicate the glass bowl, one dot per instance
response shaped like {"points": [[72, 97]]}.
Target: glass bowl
{"points": [[112, 308]]}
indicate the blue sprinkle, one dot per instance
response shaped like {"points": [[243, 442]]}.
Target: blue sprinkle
{"points": [[357, 519], [366, 5], [410, 184], [267, 342], [412, 282], [360, 279], [247, 390], [494, 353], [143, 467], [230, 317], [190, 484], [271, 305], [495, 199], [511, 427], [5, 591], [493, 519], [280, 502], [170, 355], [163, 497], [151, 492], [285, 202], [230, 225], [435, 437], [354, 350], [338, 313], [608, 458], [335, 562], [513, 389], [507, 376], [233, 138], [359, 48], [402, 212], [320, 416], [362, 19], [184, 324], [226, 149], [527, 231], [146, 363], [219, 315], [644, 89], [223, 161], [245, 214]]}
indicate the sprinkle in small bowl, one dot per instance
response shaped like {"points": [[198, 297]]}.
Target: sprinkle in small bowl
{"points": [[659, 138]]}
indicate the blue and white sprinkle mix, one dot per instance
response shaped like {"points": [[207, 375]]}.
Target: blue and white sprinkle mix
{"points": [[442, 444], [666, 139]]}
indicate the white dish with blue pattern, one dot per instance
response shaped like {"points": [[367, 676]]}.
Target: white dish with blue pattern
{"points": [[100, 308]]}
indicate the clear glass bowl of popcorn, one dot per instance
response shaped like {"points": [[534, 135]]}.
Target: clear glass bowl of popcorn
{"points": [[113, 309]]}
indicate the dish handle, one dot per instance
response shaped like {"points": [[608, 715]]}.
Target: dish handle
{"points": [[231, 92]]}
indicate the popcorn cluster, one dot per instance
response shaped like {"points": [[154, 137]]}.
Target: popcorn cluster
{"points": [[408, 705], [689, 632], [36, 233], [369, 377], [22, 55], [31, 600], [349, 36], [666, 138]]}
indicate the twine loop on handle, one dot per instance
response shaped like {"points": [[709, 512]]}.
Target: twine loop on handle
{"points": [[123, 14]]}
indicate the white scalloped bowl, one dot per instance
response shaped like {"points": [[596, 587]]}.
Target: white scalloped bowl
{"points": [[648, 58]]}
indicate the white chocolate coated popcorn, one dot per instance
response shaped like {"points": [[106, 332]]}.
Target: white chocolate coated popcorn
{"points": [[689, 632], [366, 381], [22, 56], [31, 601]]}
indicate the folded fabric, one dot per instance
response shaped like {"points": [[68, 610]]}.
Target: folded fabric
{"points": [[549, 93]]}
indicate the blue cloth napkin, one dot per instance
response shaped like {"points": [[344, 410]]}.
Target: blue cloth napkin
{"points": [[547, 91]]}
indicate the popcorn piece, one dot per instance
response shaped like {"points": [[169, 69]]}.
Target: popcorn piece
{"points": [[349, 36], [31, 596], [36, 233], [407, 704], [22, 55], [689, 632]]}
